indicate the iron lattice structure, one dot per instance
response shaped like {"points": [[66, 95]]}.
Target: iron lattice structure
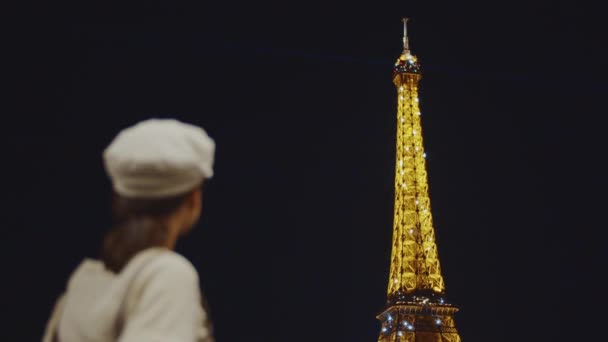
{"points": [[416, 309]]}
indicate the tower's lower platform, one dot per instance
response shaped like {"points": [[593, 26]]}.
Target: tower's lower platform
{"points": [[418, 323]]}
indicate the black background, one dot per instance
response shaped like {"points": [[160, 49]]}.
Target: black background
{"points": [[294, 241]]}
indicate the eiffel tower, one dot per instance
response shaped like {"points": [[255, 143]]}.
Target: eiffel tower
{"points": [[416, 310]]}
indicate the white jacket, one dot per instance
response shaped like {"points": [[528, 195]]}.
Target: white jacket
{"points": [[156, 297]]}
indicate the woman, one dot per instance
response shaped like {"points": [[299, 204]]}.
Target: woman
{"points": [[141, 290]]}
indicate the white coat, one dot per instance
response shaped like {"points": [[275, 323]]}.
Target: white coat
{"points": [[156, 297]]}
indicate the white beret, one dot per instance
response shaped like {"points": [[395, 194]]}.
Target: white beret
{"points": [[159, 158]]}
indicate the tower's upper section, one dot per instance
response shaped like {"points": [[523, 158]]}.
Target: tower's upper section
{"points": [[406, 63], [415, 270]]}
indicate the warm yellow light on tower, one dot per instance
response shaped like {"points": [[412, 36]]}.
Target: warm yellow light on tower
{"points": [[416, 310]]}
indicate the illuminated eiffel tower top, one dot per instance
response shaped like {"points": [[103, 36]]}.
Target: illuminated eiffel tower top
{"points": [[416, 310], [414, 259]]}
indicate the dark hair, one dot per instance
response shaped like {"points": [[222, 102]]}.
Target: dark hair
{"points": [[138, 224]]}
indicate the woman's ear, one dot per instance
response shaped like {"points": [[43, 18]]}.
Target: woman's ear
{"points": [[194, 203], [196, 198]]}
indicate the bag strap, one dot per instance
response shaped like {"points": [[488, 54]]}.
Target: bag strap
{"points": [[120, 318]]}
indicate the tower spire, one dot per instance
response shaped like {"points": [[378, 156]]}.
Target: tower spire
{"points": [[406, 47]]}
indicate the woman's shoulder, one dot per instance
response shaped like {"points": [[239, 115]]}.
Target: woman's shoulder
{"points": [[160, 263]]}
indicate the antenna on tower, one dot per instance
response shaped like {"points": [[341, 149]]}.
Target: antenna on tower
{"points": [[406, 46]]}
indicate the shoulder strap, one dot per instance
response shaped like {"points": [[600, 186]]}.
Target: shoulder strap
{"points": [[121, 317]]}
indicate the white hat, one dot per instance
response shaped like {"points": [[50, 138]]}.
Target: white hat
{"points": [[159, 158]]}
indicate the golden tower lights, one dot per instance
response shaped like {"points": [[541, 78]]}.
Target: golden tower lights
{"points": [[416, 310]]}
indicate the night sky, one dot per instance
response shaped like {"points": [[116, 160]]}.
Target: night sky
{"points": [[295, 237]]}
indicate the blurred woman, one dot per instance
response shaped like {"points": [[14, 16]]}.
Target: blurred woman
{"points": [[141, 289]]}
